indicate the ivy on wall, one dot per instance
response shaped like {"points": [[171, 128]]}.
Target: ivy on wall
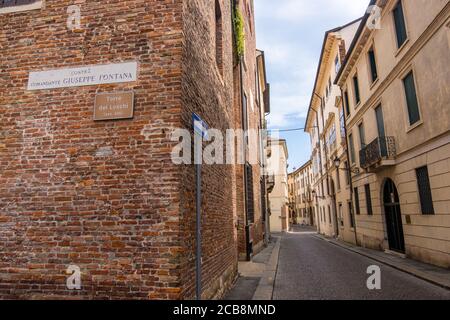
{"points": [[240, 33]]}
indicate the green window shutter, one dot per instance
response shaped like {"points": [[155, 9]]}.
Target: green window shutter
{"points": [[400, 26], [373, 65], [356, 88], [411, 99], [426, 198]]}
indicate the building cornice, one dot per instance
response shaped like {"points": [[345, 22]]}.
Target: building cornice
{"points": [[405, 61]]}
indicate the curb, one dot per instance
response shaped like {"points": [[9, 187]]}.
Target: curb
{"points": [[411, 271], [264, 291]]}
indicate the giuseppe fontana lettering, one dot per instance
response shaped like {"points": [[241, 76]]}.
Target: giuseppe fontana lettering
{"points": [[114, 73]]}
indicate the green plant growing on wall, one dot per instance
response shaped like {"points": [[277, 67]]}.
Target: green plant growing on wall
{"points": [[239, 32]]}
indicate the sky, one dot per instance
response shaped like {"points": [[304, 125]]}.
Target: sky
{"points": [[291, 32]]}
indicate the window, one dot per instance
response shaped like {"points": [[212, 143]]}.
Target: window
{"points": [[426, 198], [337, 64], [380, 121], [368, 200], [347, 174], [329, 214], [357, 208], [373, 65], [347, 103], [331, 138], [356, 89], [411, 98], [350, 213], [362, 135], [338, 179], [400, 26], [341, 217], [249, 193], [342, 123], [7, 6], [219, 37], [352, 148]]}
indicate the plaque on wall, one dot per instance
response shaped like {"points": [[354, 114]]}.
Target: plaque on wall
{"points": [[83, 76], [115, 105]]}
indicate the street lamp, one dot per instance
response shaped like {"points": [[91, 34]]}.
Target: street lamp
{"points": [[337, 164]]}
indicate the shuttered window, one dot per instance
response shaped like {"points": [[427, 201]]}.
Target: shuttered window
{"points": [[368, 200], [426, 198], [250, 201], [356, 89], [350, 213], [347, 103], [373, 65], [411, 98], [357, 208], [352, 148], [400, 25]]}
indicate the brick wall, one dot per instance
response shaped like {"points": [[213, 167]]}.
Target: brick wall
{"points": [[209, 94], [105, 195]]}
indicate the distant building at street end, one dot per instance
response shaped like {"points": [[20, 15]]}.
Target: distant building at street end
{"points": [[279, 197], [301, 209]]}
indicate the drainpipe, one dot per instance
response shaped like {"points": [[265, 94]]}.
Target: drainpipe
{"points": [[349, 173]]}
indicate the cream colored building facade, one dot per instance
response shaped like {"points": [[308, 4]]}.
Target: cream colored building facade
{"points": [[331, 186], [397, 80], [300, 195], [279, 196]]}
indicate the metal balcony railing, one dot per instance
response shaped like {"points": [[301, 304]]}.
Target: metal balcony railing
{"points": [[382, 148]]}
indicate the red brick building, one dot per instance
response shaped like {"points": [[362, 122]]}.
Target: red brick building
{"points": [[105, 195]]}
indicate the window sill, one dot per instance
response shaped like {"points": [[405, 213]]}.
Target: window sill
{"points": [[399, 50], [414, 126], [374, 83]]}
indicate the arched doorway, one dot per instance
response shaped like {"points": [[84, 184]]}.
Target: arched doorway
{"points": [[393, 216]]}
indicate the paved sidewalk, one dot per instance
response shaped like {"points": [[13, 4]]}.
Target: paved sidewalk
{"points": [[256, 277], [427, 272]]}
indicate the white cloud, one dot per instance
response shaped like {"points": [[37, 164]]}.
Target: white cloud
{"points": [[291, 32]]}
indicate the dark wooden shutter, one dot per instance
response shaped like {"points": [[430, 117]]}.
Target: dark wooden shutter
{"points": [[368, 200], [250, 201], [357, 208], [380, 121], [426, 198], [411, 99], [373, 65], [347, 103], [356, 88], [263, 199], [400, 26]]}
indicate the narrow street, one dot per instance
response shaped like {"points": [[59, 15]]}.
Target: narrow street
{"points": [[311, 268]]}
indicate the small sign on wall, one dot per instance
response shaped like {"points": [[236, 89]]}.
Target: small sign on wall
{"points": [[115, 105]]}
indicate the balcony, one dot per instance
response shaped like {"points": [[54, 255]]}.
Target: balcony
{"points": [[379, 153]]}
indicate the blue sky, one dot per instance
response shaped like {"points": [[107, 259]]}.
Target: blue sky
{"points": [[291, 34]]}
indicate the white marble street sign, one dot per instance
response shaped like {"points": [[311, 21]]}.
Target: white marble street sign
{"points": [[83, 76]]}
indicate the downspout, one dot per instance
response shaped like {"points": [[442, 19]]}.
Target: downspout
{"points": [[349, 173]]}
